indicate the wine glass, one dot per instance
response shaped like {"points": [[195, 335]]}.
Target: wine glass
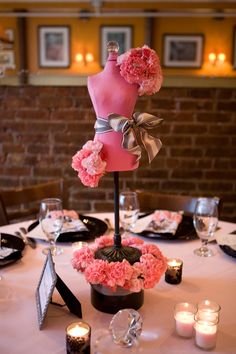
{"points": [[205, 221], [129, 210], [51, 220]]}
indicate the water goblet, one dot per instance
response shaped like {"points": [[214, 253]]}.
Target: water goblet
{"points": [[205, 220], [51, 220], [129, 210]]}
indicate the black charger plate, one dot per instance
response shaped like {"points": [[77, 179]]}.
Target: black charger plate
{"points": [[185, 231], [16, 244], [228, 250], [96, 228]]}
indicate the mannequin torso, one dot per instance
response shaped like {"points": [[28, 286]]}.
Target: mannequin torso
{"points": [[110, 93]]}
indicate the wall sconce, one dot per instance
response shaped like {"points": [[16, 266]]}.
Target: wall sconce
{"points": [[84, 59], [216, 58]]}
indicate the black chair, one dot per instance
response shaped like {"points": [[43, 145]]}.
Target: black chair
{"points": [[23, 203], [3, 214], [150, 201]]}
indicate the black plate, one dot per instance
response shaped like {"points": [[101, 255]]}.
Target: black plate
{"points": [[185, 231], [15, 243], [95, 226], [228, 250]]}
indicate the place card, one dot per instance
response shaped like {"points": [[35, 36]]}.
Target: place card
{"points": [[49, 280]]}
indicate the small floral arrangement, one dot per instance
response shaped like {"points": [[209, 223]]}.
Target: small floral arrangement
{"points": [[141, 66], [144, 274], [89, 164]]}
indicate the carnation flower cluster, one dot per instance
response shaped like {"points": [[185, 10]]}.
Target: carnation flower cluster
{"points": [[89, 164], [144, 274], [141, 66]]}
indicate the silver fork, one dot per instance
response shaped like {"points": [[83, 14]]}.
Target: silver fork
{"points": [[27, 240]]}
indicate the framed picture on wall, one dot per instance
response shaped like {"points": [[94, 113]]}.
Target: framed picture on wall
{"points": [[234, 49], [183, 50], [7, 59], [121, 34], [54, 46]]}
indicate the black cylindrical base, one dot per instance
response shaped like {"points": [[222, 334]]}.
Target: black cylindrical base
{"points": [[113, 303]]}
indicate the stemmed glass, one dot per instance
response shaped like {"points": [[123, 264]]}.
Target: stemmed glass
{"points": [[51, 220], [129, 210], [205, 221]]}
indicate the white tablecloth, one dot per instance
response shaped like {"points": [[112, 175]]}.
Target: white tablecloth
{"points": [[203, 278]]}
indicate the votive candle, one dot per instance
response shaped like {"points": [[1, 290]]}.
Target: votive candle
{"points": [[209, 309], [173, 273], [78, 245], [205, 334], [184, 319], [78, 338]]}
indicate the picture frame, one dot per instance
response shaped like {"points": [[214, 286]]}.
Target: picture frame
{"points": [[234, 49], [121, 34], [7, 59], [183, 50], [45, 288], [54, 46]]}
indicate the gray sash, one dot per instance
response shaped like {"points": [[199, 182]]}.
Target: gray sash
{"points": [[141, 128]]}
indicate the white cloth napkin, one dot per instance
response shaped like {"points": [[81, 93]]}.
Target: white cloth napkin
{"points": [[227, 240], [69, 225], [161, 221]]}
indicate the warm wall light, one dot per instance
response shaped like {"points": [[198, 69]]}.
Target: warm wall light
{"points": [[216, 58], [84, 59]]}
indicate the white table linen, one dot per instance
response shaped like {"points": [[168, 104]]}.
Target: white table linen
{"points": [[203, 278]]}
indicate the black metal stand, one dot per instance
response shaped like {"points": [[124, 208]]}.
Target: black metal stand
{"points": [[118, 252]]}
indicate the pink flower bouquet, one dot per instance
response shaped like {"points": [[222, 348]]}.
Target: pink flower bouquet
{"points": [[89, 164], [141, 66], [144, 274]]}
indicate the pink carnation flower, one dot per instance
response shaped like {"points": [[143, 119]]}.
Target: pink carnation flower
{"points": [[132, 241], [96, 272], [144, 274], [82, 258], [141, 66], [89, 164]]}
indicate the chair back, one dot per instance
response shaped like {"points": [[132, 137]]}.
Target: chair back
{"points": [[150, 201], [23, 202], [3, 214]]}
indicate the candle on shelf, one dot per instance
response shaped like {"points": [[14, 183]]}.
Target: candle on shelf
{"points": [[78, 245], [78, 338], [184, 319], [173, 273], [205, 331]]}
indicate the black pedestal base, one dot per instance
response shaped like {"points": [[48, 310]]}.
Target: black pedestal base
{"points": [[105, 302]]}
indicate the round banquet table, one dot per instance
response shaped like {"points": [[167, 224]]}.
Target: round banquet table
{"points": [[203, 278]]}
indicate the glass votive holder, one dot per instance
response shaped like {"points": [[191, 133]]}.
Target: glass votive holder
{"points": [[209, 308], [78, 336], [78, 245], [205, 330], [184, 313], [173, 273]]}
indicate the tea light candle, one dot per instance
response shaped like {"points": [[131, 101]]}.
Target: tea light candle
{"points": [[78, 338], [173, 273], [184, 319], [205, 334], [78, 245], [209, 309]]}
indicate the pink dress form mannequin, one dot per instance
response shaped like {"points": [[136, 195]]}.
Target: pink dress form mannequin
{"points": [[110, 93]]}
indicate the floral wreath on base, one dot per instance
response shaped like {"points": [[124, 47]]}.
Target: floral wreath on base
{"points": [[139, 66], [144, 274]]}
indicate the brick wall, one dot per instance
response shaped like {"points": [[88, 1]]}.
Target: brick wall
{"points": [[42, 127]]}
